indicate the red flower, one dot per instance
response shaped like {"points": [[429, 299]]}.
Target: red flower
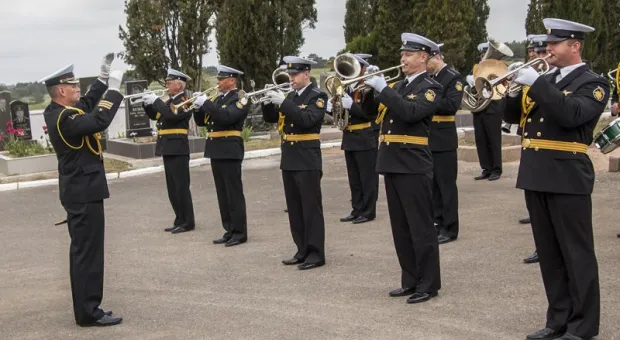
{"points": [[9, 124], [45, 129], [20, 132]]}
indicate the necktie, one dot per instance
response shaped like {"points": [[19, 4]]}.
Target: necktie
{"points": [[554, 76]]}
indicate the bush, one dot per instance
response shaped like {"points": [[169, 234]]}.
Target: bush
{"points": [[18, 147]]}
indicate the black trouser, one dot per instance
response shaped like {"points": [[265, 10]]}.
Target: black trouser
{"points": [[445, 193], [562, 226], [488, 135], [177, 182], [411, 216], [230, 198], [86, 224], [302, 190], [363, 181]]}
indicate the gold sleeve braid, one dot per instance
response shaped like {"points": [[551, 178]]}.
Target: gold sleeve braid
{"points": [[97, 135], [382, 108], [618, 80]]}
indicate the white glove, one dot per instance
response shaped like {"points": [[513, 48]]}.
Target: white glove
{"points": [[526, 76], [371, 69], [470, 80], [200, 100], [347, 101], [149, 99], [115, 80], [330, 105], [514, 66], [106, 64], [377, 83], [276, 97]]}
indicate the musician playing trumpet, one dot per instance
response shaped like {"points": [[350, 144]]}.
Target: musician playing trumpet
{"points": [[224, 115], [299, 115], [173, 146], [359, 142]]}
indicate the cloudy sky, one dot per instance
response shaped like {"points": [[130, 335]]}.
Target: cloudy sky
{"points": [[41, 36]]}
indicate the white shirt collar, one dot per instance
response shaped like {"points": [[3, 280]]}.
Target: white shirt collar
{"points": [[224, 94], [178, 94], [567, 70], [413, 76], [300, 91], [444, 66]]}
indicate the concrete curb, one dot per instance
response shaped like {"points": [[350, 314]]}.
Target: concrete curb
{"points": [[151, 170]]}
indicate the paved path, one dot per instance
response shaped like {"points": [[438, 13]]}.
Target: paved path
{"points": [[184, 287]]}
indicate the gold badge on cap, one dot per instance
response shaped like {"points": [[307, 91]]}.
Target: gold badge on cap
{"points": [[240, 104], [430, 95], [320, 103], [599, 93], [459, 86]]}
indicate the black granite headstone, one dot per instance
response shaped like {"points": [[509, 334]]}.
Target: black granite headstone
{"points": [[5, 110], [138, 123], [20, 116]]}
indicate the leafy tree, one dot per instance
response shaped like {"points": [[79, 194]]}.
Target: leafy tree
{"points": [[167, 33], [270, 31]]}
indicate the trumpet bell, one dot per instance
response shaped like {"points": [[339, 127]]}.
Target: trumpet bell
{"points": [[280, 76], [347, 66]]}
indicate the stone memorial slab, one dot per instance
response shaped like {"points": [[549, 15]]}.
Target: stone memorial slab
{"points": [[5, 112], [138, 123], [20, 116]]}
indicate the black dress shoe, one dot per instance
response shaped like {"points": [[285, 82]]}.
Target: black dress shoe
{"points": [[421, 297], [178, 230], [348, 218], [109, 312], [234, 242], [445, 239], [292, 261], [546, 333], [221, 240], [402, 292], [525, 220], [532, 258], [106, 320], [361, 219], [494, 177], [305, 266], [170, 228], [483, 175]]}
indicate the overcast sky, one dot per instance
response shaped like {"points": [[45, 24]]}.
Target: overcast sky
{"points": [[41, 36]]}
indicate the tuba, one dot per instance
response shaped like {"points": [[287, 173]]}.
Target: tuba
{"points": [[491, 67]]}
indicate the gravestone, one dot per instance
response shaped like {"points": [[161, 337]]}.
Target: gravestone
{"points": [[85, 84], [5, 113], [138, 122], [20, 116]]}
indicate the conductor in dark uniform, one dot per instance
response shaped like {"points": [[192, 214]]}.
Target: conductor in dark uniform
{"points": [[224, 115], [173, 145], [558, 178], [359, 142], [299, 115], [406, 162], [443, 143], [75, 125], [488, 136]]}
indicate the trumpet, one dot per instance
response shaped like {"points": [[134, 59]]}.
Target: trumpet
{"points": [[348, 67], [136, 98], [281, 81], [207, 92], [486, 87], [613, 74]]}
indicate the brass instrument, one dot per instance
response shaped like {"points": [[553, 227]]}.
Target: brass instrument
{"points": [[136, 98], [488, 86], [613, 74], [281, 81], [207, 92], [348, 68], [491, 67]]}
